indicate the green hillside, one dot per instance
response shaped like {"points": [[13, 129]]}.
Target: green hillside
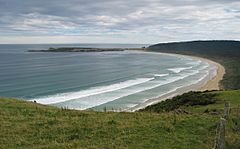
{"points": [[206, 103], [226, 53], [28, 125]]}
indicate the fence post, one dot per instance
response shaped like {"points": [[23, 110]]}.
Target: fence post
{"points": [[238, 110], [226, 110], [220, 142]]}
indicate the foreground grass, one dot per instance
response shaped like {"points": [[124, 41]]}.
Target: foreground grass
{"points": [[30, 125]]}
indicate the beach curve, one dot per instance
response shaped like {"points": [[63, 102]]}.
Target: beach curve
{"points": [[212, 84]]}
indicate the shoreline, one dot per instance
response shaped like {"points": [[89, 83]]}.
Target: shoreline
{"points": [[214, 83], [202, 85]]}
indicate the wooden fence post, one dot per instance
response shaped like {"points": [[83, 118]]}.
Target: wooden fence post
{"points": [[226, 110], [220, 142], [238, 110]]}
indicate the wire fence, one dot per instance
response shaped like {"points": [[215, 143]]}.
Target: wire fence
{"points": [[220, 131]]}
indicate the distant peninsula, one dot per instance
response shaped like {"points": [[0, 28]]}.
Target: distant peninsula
{"points": [[82, 49]]}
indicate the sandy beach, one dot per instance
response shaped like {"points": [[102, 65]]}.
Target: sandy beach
{"points": [[214, 83], [203, 85]]}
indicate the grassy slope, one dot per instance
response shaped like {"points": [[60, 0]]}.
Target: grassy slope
{"points": [[26, 124], [233, 97]]}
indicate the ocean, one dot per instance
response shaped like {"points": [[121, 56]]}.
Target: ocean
{"points": [[115, 81]]}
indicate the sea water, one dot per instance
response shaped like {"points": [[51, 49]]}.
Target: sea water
{"points": [[95, 80]]}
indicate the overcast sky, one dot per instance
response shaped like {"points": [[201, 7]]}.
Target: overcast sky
{"points": [[118, 21]]}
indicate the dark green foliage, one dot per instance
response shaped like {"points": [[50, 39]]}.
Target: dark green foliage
{"points": [[226, 53], [187, 99], [208, 48]]}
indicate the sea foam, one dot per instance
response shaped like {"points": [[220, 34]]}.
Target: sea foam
{"points": [[93, 91], [179, 69], [161, 75], [96, 100]]}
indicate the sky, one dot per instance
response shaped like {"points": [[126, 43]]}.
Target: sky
{"points": [[118, 21]]}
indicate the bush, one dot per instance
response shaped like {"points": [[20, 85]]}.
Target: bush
{"points": [[187, 99]]}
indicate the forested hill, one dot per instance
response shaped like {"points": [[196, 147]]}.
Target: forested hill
{"points": [[225, 52], [214, 48]]}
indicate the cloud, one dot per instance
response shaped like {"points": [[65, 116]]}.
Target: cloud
{"points": [[109, 20], [119, 20]]}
